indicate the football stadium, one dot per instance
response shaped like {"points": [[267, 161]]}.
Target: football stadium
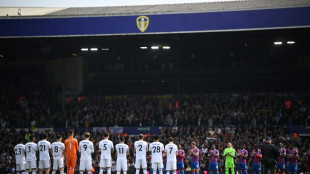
{"points": [[155, 87]]}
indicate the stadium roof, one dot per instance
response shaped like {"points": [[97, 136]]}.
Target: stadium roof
{"points": [[156, 9]]}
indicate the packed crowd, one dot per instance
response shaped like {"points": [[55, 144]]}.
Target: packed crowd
{"points": [[27, 99], [250, 110], [183, 135]]}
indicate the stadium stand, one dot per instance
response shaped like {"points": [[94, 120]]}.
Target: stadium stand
{"points": [[255, 110], [27, 96], [265, 107]]}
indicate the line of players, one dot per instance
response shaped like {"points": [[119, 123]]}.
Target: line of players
{"points": [[174, 156]]}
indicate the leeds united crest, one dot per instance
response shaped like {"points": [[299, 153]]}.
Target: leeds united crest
{"points": [[143, 23]]}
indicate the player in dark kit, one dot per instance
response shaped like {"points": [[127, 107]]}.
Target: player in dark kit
{"points": [[194, 158], [281, 159], [242, 156], [180, 160], [292, 156], [256, 155], [213, 155]]}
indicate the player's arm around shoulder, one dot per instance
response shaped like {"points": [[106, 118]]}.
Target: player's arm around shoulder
{"points": [[146, 146], [76, 144], [150, 147], [134, 147], [127, 150], [92, 147], [99, 146], [79, 147], [35, 147], [112, 146]]}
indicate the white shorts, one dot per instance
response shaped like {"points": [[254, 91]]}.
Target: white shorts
{"points": [[140, 162], [85, 165], [171, 165], [44, 164], [31, 164], [21, 167], [158, 165], [121, 164], [105, 163], [58, 163]]}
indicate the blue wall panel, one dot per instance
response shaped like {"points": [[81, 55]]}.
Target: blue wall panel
{"points": [[165, 23]]}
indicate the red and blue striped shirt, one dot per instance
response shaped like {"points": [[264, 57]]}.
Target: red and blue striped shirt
{"points": [[293, 153], [211, 154], [180, 156], [281, 159], [256, 155], [241, 154], [195, 158]]}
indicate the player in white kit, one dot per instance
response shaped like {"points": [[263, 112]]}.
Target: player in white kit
{"points": [[86, 147], [58, 155], [19, 150], [140, 149], [122, 152], [106, 148], [44, 149], [171, 151], [31, 159], [157, 149]]}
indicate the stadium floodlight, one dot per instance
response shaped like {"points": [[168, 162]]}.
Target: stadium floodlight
{"points": [[277, 43], [166, 47], [94, 49], [105, 49], [290, 42], [143, 48], [155, 47]]}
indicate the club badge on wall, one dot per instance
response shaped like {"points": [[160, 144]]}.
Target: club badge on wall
{"points": [[143, 23]]}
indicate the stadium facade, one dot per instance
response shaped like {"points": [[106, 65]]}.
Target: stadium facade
{"points": [[155, 19]]}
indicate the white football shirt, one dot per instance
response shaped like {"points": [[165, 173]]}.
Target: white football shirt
{"points": [[106, 147], [171, 149], [157, 149], [141, 147], [121, 150], [44, 147], [19, 150], [86, 147], [58, 150], [31, 149]]}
